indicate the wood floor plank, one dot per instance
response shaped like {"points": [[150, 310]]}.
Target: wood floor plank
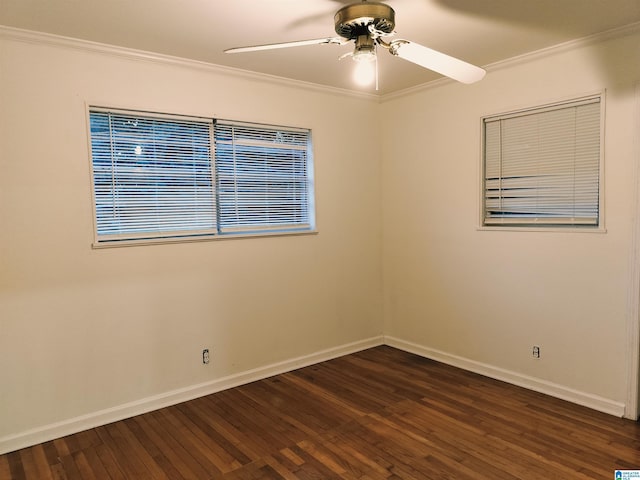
{"points": [[235, 441], [27, 459], [170, 451], [87, 470], [61, 446], [307, 466], [70, 468], [259, 470], [125, 456], [5, 469], [41, 463], [216, 454], [152, 449], [279, 468], [221, 446], [284, 409], [313, 404], [259, 419], [237, 426], [379, 414], [58, 472], [90, 459], [107, 459], [16, 468], [471, 449], [473, 445], [176, 429], [50, 453]]}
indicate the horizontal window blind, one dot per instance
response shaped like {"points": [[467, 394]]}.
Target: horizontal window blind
{"points": [[152, 176], [542, 167], [263, 177], [159, 176]]}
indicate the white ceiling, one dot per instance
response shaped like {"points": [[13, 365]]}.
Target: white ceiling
{"points": [[478, 31]]}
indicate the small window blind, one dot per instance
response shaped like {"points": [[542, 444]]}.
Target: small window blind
{"points": [[263, 177], [152, 176], [542, 166]]}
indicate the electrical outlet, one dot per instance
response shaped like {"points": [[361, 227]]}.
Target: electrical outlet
{"points": [[205, 356], [536, 351]]}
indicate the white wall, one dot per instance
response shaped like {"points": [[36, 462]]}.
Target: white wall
{"points": [[84, 330], [482, 299]]}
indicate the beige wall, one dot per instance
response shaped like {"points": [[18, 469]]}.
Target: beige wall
{"points": [[83, 330], [398, 250], [484, 298]]}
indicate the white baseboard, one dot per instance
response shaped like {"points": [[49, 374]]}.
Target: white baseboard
{"points": [[73, 425], [120, 412], [542, 386]]}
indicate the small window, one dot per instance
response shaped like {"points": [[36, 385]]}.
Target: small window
{"points": [[170, 177], [541, 167], [262, 177]]}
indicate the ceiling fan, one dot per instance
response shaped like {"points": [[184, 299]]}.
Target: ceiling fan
{"points": [[369, 24]]}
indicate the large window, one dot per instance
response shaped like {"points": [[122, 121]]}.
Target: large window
{"points": [[165, 177], [542, 166]]}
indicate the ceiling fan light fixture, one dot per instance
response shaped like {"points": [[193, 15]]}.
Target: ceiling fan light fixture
{"points": [[364, 73], [365, 49], [364, 56]]}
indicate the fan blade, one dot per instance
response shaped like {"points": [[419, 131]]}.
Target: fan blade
{"points": [[299, 43], [438, 62]]}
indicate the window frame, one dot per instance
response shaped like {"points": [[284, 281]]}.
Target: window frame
{"points": [[216, 233], [550, 226]]}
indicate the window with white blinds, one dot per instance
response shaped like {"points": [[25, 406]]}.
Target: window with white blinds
{"points": [[262, 177], [542, 166], [162, 176]]}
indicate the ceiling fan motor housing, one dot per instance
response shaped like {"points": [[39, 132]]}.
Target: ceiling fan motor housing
{"points": [[353, 20]]}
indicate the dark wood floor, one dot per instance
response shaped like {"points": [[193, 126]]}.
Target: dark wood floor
{"points": [[377, 414]]}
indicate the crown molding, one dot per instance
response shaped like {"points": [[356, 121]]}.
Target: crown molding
{"points": [[29, 36], [59, 41], [600, 37]]}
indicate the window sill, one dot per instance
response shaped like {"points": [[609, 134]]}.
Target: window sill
{"points": [[203, 238], [533, 228]]}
